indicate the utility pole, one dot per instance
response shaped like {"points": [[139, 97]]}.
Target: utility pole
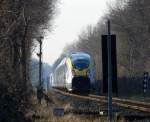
{"points": [[109, 73], [40, 62], [40, 88]]}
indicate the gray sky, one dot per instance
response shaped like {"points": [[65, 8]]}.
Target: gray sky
{"points": [[73, 17]]}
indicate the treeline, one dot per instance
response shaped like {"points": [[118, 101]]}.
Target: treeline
{"points": [[21, 23], [130, 21]]}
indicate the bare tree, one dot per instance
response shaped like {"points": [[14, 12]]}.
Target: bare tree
{"points": [[21, 21]]}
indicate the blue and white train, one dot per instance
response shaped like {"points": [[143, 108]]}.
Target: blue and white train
{"points": [[74, 73]]}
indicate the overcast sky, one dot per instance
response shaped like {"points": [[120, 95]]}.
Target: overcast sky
{"points": [[73, 16]]}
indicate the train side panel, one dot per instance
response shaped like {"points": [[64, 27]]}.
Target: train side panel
{"points": [[59, 75], [51, 80]]}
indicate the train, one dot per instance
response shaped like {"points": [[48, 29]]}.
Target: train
{"points": [[74, 73]]}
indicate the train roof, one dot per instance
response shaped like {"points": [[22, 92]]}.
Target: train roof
{"points": [[74, 56], [79, 55]]}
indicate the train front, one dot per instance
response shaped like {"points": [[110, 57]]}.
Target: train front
{"points": [[81, 70]]}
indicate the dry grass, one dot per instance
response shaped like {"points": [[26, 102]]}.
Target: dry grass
{"points": [[44, 113]]}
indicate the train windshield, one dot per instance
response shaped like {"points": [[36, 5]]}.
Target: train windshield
{"points": [[80, 61]]}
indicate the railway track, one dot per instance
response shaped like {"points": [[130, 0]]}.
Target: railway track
{"points": [[129, 104], [124, 103]]}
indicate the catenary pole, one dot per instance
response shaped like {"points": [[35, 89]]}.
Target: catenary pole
{"points": [[109, 73]]}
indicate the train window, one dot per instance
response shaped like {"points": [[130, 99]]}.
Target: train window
{"points": [[81, 63]]}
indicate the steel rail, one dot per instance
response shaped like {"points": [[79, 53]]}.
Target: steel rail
{"points": [[130, 104], [122, 99]]}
